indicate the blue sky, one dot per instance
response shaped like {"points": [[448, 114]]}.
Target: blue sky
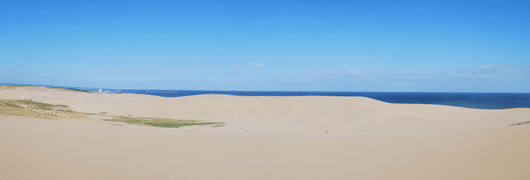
{"points": [[445, 46]]}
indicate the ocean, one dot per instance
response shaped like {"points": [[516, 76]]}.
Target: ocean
{"points": [[467, 100]]}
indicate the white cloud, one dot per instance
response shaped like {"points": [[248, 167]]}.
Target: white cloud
{"points": [[491, 71], [177, 72], [256, 64], [469, 75], [235, 67], [341, 71], [497, 71], [122, 70], [483, 67], [351, 71]]}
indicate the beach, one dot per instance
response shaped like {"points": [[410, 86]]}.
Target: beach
{"points": [[291, 137]]}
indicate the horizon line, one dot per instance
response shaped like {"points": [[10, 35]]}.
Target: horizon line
{"points": [[107, 89]]}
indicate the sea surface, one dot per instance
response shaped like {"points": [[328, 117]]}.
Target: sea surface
{"points": [[467, 100]]}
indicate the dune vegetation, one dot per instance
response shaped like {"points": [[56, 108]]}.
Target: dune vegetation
{"points": [[159, 122], [13, 87], [520, 123], [33, 109]]}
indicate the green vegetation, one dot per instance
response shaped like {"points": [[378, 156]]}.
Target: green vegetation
{"points": [[8, 87], [32, 109], [73, 89], [36, 105], [9, 104], [520, 123], [159, 122]]}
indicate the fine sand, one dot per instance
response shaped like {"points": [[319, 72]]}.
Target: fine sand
{"points": [[262, 138]]}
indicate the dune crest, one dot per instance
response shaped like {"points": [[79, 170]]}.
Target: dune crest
{"points": [[262, 138], [283, 114]]}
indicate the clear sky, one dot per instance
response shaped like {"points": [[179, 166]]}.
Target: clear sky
{"points": [[445, 46]]}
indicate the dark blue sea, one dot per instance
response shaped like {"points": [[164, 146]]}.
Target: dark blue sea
{"points": [[468, 100]]}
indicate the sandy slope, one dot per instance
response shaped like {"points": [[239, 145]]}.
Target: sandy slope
{"points": [[280, 138]]}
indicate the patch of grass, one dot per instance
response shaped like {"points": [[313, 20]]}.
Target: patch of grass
{"points": [[6, 87], [520, 123], [11, 104], [60, 105], [159, 122], [32, 109], [72, 89], [9, 87], [36, 105], [24, 112]]}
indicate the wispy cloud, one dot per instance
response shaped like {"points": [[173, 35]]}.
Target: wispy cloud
{"points": [[491, 71], [256, 64], [122, 70], [341, 71], [497, 71], [177, 72], [351, 71]]}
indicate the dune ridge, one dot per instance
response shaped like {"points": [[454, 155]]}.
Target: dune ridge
{"points": [[297, 113], [263, 138]]}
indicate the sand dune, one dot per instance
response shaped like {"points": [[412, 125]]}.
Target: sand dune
{"points": [[264, 138], [283, 114]]}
